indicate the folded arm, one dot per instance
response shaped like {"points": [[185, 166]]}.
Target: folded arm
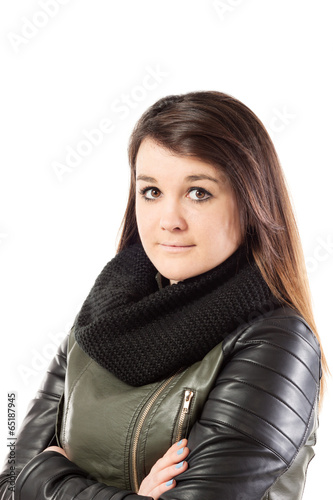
{"points": [[43, 475], [38, 427], [253, 427], [257, 419]]}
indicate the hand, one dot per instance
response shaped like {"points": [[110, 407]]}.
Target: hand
{"points": [[164, 471], [57, 449]]}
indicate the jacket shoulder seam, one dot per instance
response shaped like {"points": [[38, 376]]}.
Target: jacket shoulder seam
{"points": [[277, 346], [280, 324], [291, 330]]}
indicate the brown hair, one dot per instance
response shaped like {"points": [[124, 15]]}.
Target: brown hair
{"points": [[220, 130]]}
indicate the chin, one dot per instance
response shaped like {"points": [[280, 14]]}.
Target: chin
{"points": [[179, 275]]}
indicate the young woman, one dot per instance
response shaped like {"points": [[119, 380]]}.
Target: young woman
{"points": [[193, 369]]}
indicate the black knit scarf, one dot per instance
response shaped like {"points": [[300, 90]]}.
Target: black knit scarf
{"points": [[142, 333]]}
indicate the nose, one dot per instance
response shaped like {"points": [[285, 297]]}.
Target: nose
{"points": [[172, 218]]}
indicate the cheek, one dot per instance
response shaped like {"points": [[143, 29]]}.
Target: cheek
{"points": [[223, 223], [144, 220], [234, 219], [139, 217]]}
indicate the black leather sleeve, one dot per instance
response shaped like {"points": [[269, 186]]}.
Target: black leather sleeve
{"points": [[53, 476], [37, 431], [257, 417], [42, 476]]}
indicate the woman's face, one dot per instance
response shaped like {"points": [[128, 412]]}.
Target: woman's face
{"points": [[186, 213]]}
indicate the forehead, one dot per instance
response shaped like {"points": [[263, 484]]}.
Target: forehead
{"points": [[155, 159]]}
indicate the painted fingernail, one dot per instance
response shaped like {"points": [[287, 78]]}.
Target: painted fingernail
{"points": [[178, 466], [169, 483], [179, 452], [180, 442]]}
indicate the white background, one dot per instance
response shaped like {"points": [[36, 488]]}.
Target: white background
{"points": [[68, 70]]}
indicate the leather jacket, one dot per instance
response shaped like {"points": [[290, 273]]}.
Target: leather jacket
{"points": [[251, 439]]}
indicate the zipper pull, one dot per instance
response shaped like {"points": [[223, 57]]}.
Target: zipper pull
{"points": [[187, 400], [184, 411]]}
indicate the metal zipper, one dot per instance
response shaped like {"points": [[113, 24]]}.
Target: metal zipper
{"points": [[146, 410], [185, 409]]}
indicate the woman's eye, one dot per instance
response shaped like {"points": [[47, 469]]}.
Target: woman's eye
{"points": [[151, 193], [199, 194], [195, 194]]}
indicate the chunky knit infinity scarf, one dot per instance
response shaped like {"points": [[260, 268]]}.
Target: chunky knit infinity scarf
{"points": [[142, 333]]}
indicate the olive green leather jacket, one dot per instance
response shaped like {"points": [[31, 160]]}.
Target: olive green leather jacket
{"points": [[249, 410]]}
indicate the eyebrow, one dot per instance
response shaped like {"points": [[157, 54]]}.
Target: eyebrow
{"points": [[189, 178]]}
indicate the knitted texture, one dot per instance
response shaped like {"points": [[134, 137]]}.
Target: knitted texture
{"points": [[142, 333]]}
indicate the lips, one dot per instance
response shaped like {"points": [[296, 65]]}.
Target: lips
{"points": [[167, 244], [175, 248]]}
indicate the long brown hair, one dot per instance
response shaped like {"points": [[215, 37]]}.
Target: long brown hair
{"points": [[220, 130]]}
